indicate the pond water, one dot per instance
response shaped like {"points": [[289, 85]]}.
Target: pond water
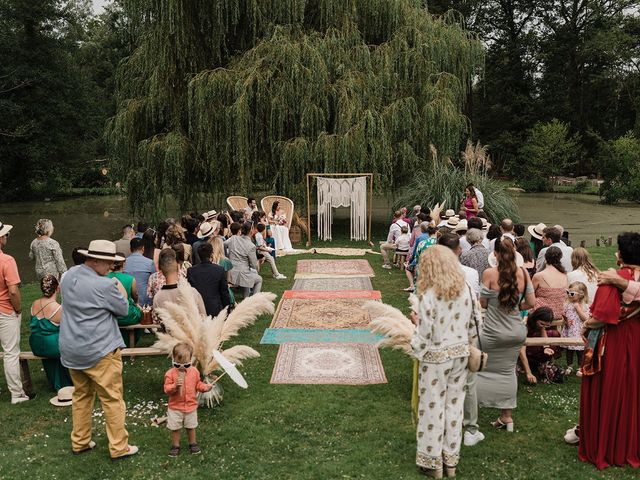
{"points": [[80, 220]]}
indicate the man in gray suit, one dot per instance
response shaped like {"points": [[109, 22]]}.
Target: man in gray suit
{"points": [[242, 253]]}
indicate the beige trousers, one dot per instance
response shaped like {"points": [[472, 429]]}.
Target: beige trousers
{"points": [[105, 379], [385, 248], [10, 340]]}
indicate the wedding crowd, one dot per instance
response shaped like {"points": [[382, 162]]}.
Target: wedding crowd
{"points": [[483, 289], [219, 255]]}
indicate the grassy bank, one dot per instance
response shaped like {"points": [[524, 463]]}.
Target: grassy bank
{"points": [[292, 431]]}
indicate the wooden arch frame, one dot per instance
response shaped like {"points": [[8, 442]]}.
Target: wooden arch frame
{"points": [[310, 176]]}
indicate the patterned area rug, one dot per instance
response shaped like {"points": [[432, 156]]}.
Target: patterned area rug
{"points": [[335, 314], [332, 295], [276, 336], [328, 363], [334, 267], [336, 283]]}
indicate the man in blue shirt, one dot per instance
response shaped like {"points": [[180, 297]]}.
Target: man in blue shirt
{"points": [[90, 344], [141, 268]]}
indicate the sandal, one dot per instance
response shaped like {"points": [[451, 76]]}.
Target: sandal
{"points": [[500, 425]]}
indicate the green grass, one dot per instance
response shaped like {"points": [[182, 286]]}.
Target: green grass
{"points": [[293, 431]]}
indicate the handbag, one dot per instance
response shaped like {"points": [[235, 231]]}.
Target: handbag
{"points": [[477, 358]]}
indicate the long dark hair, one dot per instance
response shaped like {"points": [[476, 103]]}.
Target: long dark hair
{"points": [[524, 249], [553, 257], [507, 274], [274, 207], [540, 314], [149, 243]]}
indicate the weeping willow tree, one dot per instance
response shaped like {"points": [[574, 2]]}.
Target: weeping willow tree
{"points": [[230, 96]]}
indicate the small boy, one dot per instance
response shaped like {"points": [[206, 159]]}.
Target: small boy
{"points": [[182, 383], [402, 242]]}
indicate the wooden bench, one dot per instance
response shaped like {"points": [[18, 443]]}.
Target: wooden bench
{"points": [[138, 326], [553, 342], [25, 373]]}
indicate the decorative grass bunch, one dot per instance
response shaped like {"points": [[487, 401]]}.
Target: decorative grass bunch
{"points": [[184, 323], [392, 323]]}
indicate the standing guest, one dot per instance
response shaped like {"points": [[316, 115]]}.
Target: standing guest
{"points": [[140, 267], [251, 207], [477, 256], [395, 230], [506, 230], [224, 220], [123, 245], [210, 280], [551, 237], [192, 227], [425, 240], [175, 236], [469, 204], [46, 251], [537, 362], [10, 318], [149, 248], [182, 384], [518, 230], [463, 227], [479, 195], [242, 253], [576, 313], [609, 406], [207, 231], [536, 232], [584, 271], [169, 291], [417, 228], [452, 241], [445, 328], [278, 220], [90, 344], [218, 257], [503, 333], [493, 232], [134, 315], [141, 228], [163, 226], [417, 209], [46, 314], [550, 285], [524, 249]]}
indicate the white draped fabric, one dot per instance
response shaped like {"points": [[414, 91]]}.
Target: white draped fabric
{"points": [[342, 192]]}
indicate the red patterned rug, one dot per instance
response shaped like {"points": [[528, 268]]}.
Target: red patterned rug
{"points": [[334, 268], [328, 363]]}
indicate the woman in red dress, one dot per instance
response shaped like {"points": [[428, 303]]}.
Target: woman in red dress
{"points": [[610, 396]]}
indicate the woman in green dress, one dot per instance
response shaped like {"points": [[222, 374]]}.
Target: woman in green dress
{"points": [[135, 314], [46, 314]]}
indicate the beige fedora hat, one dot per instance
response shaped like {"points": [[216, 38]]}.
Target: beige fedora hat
{"points": [[63, 398], [485, 223], [207, 228], [210, 215], [102, 250], [448, 213], [462, 226], [452, 222], [4, 229], [536, 230]]}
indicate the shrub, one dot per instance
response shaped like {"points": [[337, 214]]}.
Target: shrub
{"points": [[620, 167]]}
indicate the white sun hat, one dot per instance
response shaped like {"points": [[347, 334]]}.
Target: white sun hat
{"points": [[102, 250], [4, 229]]}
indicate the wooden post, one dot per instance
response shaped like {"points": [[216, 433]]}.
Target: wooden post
{"points": [[27, 385], [308, 213], [597, 242], [610, 241], [583, 243], [370, 206]]}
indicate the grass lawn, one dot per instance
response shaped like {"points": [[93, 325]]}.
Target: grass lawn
{"points": [[292, 431]]}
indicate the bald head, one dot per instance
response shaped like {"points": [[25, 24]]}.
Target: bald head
{"points": [[506, 225]]}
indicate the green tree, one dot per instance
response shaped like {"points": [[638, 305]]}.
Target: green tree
{"points": [[620, 166], [550, 150], [232, 96]]}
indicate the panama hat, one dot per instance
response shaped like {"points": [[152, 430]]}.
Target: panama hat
{"points": [[485, 224], [536, 230], [462, 226], [4, 229], [63, 398], [452, 222], [102, 250], [449, 213], [493, 261], [209, 215]]}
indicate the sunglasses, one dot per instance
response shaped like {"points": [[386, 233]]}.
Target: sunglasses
{"points": [[181, 365], [573, 294]]}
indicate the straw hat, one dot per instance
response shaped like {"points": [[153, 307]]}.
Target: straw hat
{"points": [[452, 222], [206, 229], [448, 213], [4, 229], [493, 261], [209, 215], [485, 224], [536, 230], [102, 250], [462, 226], [64, 397]]}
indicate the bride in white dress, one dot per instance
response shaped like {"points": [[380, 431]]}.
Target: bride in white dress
{"points": [[278, 221]]}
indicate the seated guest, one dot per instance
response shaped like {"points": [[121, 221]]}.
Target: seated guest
{"points": [[140, 267], [210, 280], [263, 252], [538, 361], [242, 253], [169, 292], [46, 314], [402, 242], [157, 279], [207, 231], [224, 220], [250, 209], [192, 225], [149, 248], [134, 314], [219, 257], [124, 244], [395, 230], [175, 236], [141, 228], [270, 241]]}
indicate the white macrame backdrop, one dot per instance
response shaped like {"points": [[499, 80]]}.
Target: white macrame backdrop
{"points": [[342, 192]]}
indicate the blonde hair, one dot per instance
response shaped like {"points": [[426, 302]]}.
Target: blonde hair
{"points": [[44, 226], [182, 352], [218, 249], [439, 269], [580, 259], [582, 288]]}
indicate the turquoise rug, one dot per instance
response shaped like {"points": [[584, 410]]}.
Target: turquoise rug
{"points": [[276, 336]]}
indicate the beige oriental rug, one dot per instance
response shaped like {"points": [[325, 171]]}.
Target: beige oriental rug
{"points": [[333, 268], [328, 363]]}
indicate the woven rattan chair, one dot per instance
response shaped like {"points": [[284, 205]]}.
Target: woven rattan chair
{"points": [[285, 203], [236, 202]]}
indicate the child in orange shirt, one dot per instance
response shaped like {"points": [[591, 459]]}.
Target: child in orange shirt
{"points": [[182, 383]]}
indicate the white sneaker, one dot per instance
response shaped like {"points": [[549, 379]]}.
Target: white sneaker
{"points": [[20, 399], [471, 439], [571, 438], [280, 277], [388, 267]]}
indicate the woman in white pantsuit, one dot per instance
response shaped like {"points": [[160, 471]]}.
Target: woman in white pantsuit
{"points": [[445, 328]]}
